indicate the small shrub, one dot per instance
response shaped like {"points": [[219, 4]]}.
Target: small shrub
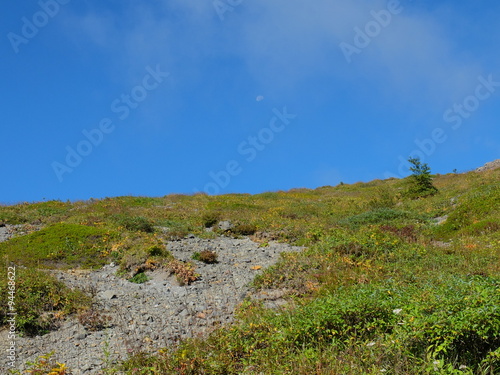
{"points": [[210, 219], [93, 320], [135, 223], [41, 301], [385, 198], [137, 250], [185, 272], [155, 250], [206, 256], [244, 229], [139, 278], [44, 365], [380, 215]]}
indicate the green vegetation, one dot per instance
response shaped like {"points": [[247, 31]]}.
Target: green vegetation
{"points": [[59, 245], [420, 180], [380, 288], [139, 278], [244, 229], [135, 223], [45, 364], [41, 301]]}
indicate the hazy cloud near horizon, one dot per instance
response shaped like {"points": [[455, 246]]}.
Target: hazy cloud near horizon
{"points": [[285, 42]]}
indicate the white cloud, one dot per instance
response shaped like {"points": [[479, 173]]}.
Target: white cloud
{"points": [[291, 41], [286, 42]]}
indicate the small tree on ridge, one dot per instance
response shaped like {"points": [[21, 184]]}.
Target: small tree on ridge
{"points": [[420, 180]]}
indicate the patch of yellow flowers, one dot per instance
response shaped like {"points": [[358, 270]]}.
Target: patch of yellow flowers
{"points": [[44, 366]]}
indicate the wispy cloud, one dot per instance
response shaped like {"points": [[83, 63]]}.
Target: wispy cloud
{"points": [[285, 42]]}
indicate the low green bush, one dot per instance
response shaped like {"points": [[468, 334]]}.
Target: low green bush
{"points": [[449, 324], [209, 219], [41, 301], [382, 215], [139, 278], [60, 245], [476, 210], [244, 229], [134, 223]]}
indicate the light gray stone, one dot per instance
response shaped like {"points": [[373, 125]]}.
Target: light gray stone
{"points": [[164, 314], [109, 294], [225, 225]]}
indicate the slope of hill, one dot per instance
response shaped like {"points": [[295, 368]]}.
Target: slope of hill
{"points": [[384, 284]]}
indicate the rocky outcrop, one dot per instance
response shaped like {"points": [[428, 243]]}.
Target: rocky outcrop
{"points": [[488, 166], [157, 313]]}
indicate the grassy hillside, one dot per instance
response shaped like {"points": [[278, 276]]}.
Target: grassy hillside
{"points": [[381, 287]]}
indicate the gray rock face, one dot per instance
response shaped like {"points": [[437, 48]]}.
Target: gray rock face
{"points": [[7, 231], [491, 165], [441, 219], [4, 233], [109, 294], [157, 313], [225, 225]]}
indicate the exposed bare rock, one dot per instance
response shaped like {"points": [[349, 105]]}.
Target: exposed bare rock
{"points": [[488, 166]]}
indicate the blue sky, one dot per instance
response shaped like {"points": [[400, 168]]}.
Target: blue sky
{"points": [[102, 99]]}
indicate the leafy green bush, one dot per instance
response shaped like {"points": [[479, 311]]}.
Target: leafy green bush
{"points": [[135, 223], [244, 229], [449, 324], [477, 212], [457, 318], [363, 313], [40, 301], [384, 198], [156, 250], [209, 219], [136, 249], [60, 244], [139, 278], [381, 216]]}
